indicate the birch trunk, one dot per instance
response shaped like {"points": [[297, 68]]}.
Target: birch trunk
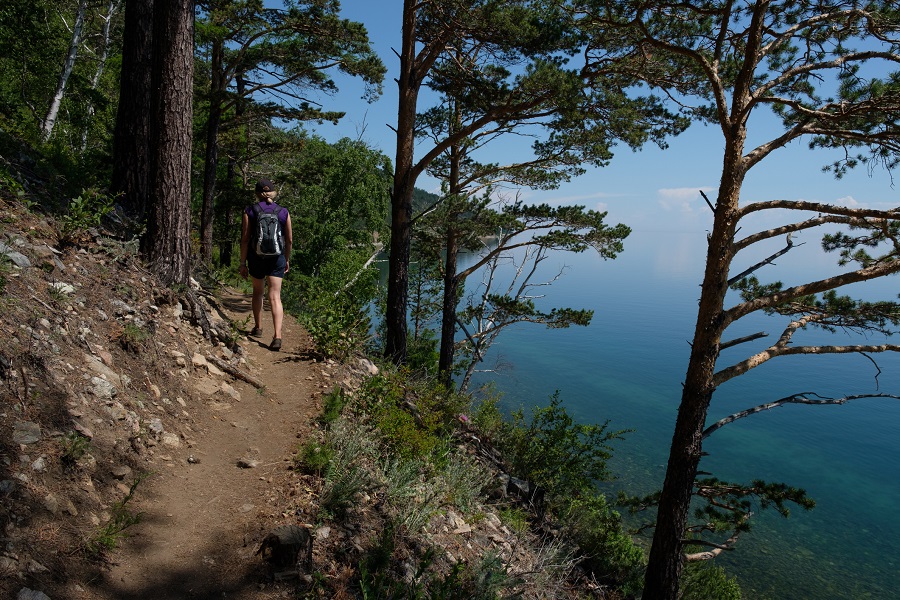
{"points": [[53, 112]]}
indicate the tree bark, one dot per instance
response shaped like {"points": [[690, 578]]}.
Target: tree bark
{"points": [[401, 196], [68, 65], [131, 141], [167, 243], [666, 558], [451, 280], [217, 89]]}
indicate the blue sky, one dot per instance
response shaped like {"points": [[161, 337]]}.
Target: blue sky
{"points": [[649, 190]]}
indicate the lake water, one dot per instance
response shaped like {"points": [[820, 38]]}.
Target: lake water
{"points": [[627, 367]]}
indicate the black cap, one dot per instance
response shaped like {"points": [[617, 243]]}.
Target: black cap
{"points": [[264, 185]]}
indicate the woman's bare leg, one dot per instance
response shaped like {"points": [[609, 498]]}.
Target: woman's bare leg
{"points": [[275, 304]]}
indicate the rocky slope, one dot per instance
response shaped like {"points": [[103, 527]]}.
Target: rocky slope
{"points": [[138, 459]]}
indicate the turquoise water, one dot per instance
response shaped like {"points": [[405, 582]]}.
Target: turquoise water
{"points": [[627, 367]]}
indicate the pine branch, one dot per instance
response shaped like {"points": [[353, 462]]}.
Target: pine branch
{"points": [[801, 398]]}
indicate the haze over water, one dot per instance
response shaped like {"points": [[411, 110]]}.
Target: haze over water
{"points": [[628, 365]]}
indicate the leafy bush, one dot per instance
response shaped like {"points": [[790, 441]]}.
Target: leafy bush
{"points": [[564, 458], [704, 581], [414, 418], [611, 554], [333, 304], [84, 212]]}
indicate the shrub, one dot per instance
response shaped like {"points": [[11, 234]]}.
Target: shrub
{"points": [[334, 311], [314, 457], [107, 537], [704, 581], [610, 552], [84, 212], [74, 446], [414, 418], [564, 458], [333, 404]]}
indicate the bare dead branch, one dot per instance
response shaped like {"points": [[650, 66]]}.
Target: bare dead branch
{"points": [[801, 398], [742, 340], [232, 370], [708, 203], [717, 548], [877, 368], [764, 262], [358, 273]]}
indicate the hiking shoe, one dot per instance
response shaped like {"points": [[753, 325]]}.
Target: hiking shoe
{"points": [[256, 332], [275, 345]]}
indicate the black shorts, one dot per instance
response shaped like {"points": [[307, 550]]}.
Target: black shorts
{"points": [[261, 267]]}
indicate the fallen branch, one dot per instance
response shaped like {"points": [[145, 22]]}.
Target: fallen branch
{"points": [[232, 370]]}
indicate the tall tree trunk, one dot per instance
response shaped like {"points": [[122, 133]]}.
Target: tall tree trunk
{"points": [[167, 243], [68, 65], [666, 558], [451, 281], [226, 247], [131, 141], [401, 196], [226, 241], [207, 213]]}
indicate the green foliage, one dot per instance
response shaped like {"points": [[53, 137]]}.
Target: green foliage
{"points": [[517, 519], [611, 554], [859, 248], [84, 212], [486, 414], [486, 580], [554, 452], [703, 581], [422, 353], [830, 311], [333, 306], [333, 403], [340, 200], [465, 480], [107, 537], [133, 337], [74, 446], [313, 457], [345, 476], [414, 422], [728, 505]]}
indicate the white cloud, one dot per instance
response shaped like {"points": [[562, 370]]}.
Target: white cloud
{"points": [[847, 201]]}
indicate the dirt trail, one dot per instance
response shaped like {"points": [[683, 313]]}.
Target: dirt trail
{"points": [[203, 519]]}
